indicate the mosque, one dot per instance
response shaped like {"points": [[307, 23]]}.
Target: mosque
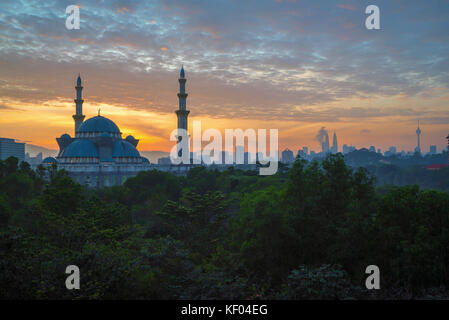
{"points": [[98, 156]]}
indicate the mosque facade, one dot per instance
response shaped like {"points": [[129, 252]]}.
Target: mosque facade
{"points": [[98, 156]]}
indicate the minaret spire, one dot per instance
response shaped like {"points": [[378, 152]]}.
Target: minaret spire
{"points": [[78, 116], [182, 112]]}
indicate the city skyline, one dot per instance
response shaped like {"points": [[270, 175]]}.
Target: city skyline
{"points": [[298, 76]]}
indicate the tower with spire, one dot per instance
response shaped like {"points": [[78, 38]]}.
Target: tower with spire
{"points": [[418, 135], [182, 112], [78, 116], [334, 144], [325, 144]]}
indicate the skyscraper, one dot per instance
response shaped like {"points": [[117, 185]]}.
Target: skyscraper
{"points": [[325, 144], [433, 149], [287, 156], [334, 144], [10, 148]]}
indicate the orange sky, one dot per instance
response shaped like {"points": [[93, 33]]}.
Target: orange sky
{"points": [[40, 125]]}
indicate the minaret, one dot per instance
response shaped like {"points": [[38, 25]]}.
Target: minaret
{"points": [[418, 134], [182, 113], [78, 117]]}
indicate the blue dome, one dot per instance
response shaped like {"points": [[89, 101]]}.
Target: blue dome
{"points": [[80, 148], [145, 160], [49, 160], [99, 124], [123, 148], [66, 136]]}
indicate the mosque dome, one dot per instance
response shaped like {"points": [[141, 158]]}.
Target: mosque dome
{"points": [[145, 160], [132, 140], [123, 148], [99, 124], [49, 160], [80, 148]]}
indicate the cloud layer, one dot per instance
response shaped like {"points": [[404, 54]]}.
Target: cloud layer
{"points": [[306, 61]]}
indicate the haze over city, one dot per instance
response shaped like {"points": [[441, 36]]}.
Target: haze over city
{"points": [[296, 66]]}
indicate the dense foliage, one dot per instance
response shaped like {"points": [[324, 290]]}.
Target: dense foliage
{"points": [[305, 233]]}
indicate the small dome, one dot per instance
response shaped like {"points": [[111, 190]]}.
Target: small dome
{"points": [[99, 124], [66, 136], [80, 148], [123, 148], [145, 160], [49, 160], [132, 140]]}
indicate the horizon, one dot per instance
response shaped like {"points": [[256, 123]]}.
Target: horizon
{"points": [[289, 65]]}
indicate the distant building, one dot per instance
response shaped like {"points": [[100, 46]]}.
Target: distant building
{"points": [[433, 149], [303, 153], [239, 156], [390, 152], [348, 149], [226, 157], [325, 144], [305, 150], [10, 148], [334, 148], [287, 156], [379, 151], [34, 161], [246, 157], [372, 149]]}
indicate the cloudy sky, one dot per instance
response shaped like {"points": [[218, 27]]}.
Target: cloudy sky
{"points": [[292, 65]]}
